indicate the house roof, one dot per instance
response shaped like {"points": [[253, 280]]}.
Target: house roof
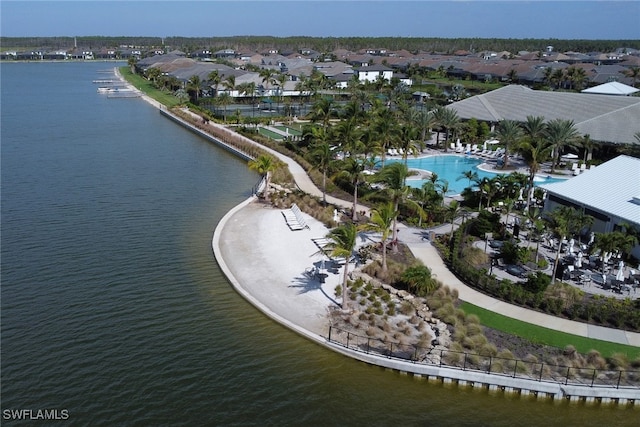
{"points": [[612, 119], [612, 188], [612, 88]]}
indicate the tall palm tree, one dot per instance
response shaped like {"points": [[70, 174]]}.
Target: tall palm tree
{"points": [[230, 84], [381, 221], [565, 221], [264, 165], [193, 85], [322, 111], [349, 135], [425, 121], [267, 75], [534, 149], [394, 177], [224, 100], [281, 78], [588, 145], [385, 125], [352, 169], [510, 134], [322, 156], [560, 134], [214, 79], [448, 119], [342, 242], [407, 141]]}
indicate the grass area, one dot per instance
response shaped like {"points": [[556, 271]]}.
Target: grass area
{"points": [[540, 335], [147, 87], [269, 134]]}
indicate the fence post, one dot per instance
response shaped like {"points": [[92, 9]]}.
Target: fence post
{"points": [[368, 345], [619, 378], [593, 379], [541, 368], [415, 355], [464, 365], [566, 380], [348, 334], [515, 368], [441, 357], [390, 350], [490, 363], [330, 333]]}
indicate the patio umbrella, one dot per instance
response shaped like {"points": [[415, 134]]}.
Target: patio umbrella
{"points": [[579, 260], [620, 275], [570, 246], [592, 237]]}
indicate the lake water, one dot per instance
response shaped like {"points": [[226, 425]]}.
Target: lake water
{"points": [[113, 307]]}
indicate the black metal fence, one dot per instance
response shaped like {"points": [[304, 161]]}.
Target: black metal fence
{"points": [[494, 365]]}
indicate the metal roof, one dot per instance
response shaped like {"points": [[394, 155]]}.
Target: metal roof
{"points": [[612, 188], [613, 119]]}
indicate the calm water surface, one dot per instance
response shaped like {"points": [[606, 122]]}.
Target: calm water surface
{"points": [[114, 309]]}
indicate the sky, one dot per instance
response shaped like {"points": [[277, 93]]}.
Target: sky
{"points": [[324, 18]]}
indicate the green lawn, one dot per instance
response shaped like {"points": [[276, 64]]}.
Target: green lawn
{"points": [[538, 334], [147, 87], [269, 134]]}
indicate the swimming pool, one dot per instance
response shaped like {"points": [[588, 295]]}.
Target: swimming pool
{"points": [[451, 168]]}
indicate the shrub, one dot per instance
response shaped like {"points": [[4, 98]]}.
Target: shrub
{"points": [[537, 283], [406, 308]]}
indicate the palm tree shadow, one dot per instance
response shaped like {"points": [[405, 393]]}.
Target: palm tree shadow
{"points": [[306, 284]]}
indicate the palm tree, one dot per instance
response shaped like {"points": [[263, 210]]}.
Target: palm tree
{"points": [[224, 100], [384, 125], [588, 145], [407, 141], [471, 175], [510, 134], [281, 78], [381, 221], [322, 111], [153, 73], [193, 84], [322, 157], [565, 221], [448, 119], [453, 211], [342, 241], [560, 133], [230, 84], [426, 195], [425, 122], [534, 149], [267, 75], [349, 135], [352, 169], [214, 79], [264, 165], [394, 177]]}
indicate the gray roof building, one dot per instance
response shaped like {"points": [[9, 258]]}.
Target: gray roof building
{"points": [[610, 119], [609, 192]]}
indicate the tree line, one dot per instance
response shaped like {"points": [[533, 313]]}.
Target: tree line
{"points": [[324, 44]]}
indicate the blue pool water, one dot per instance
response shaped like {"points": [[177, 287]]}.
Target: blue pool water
{"points": [[451, 168]]}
